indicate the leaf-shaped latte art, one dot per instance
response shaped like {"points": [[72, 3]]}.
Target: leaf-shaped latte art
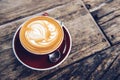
{"points": [[41, 33]]}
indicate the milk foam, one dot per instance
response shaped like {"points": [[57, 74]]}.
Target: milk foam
{"points": [[41, 33]]}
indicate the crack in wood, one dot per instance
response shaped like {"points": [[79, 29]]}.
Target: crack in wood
{"points": [[87, 78], [95, 13], [116, 16], [113, 71], [108, 67], [104, 34]]}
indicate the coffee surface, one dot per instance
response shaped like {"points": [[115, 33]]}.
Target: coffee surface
{"points": [[41, 35]]}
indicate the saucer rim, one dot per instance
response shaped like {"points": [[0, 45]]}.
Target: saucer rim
{"points": [[41, 69]]}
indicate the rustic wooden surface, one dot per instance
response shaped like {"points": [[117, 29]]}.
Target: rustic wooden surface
{"points": [[108, 17], [91, 57]]}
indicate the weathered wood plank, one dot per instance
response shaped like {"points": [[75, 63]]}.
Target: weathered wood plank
{"points": [[113, 54], [114, 70], [11, 10], [93, 3], [94, 65], [111, 21], [107, 17], [85, 36]]}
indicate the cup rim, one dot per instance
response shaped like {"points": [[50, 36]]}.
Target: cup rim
{"points": [[38, 69], [51, 50]]}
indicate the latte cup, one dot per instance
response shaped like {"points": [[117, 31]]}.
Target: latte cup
{"points": [[41, 35], [30, 33]]}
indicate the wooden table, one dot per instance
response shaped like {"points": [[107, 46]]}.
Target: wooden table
{"points": [[94, 31]]}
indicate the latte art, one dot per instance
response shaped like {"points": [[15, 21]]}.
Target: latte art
{"points": [[41, 33]]}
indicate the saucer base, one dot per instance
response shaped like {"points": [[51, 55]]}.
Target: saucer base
{"points": [[39, 62]]}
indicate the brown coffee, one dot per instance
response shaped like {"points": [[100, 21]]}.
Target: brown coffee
{"points": [[41, 35]]}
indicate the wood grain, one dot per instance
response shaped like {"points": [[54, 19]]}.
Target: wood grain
{"points": [[107, 63], [11, 10], [103, 65], [110, 21], [107, 16], [113, 72], [86, 40], [93, 4]]}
